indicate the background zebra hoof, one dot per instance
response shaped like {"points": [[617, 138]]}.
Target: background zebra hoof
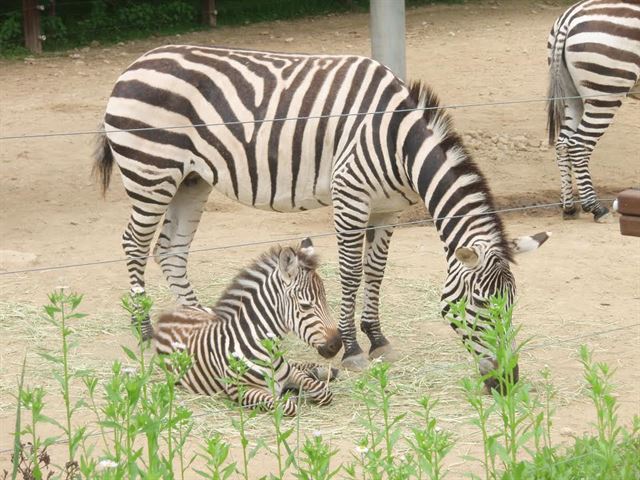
{"points": [[355, 363], [602, 216], [385, 352], [571, 213]]}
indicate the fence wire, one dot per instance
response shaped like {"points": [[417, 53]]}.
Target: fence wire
{"points": [[314, 117], [287, 239]]}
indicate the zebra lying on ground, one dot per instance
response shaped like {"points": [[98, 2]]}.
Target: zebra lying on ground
{"points": [[594, 50], [278, 293], [368, 167]]}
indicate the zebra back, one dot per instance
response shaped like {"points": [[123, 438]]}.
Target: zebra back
{"points": [[173, 329]]}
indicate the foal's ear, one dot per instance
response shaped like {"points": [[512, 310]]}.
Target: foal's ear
{"points": [[529, 243], [288, 264], [307, 254]]}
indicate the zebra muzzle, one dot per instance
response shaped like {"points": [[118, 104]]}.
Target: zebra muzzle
{"points": [[332, 345]]}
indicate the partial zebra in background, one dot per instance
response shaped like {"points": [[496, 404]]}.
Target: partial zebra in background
{"points": [[369, 168], [594, 51], [279, 293]]}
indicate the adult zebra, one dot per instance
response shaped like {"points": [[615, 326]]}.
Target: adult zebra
{"points": [[593, 52], [368, 167], [280, 292]]}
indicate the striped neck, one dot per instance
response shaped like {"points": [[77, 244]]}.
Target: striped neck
{"points": [[449, 182], [255, 298]]}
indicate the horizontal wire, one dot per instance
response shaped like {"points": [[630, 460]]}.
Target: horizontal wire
{"points": [[286, 239], [311, 117]]}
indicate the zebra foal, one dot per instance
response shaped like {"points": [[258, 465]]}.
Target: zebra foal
{"points": [[331, 152], [280, 292], [593, 52]]}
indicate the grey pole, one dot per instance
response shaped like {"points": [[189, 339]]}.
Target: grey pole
{"points": [[387, 35]]}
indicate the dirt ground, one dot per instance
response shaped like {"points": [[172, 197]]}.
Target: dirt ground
{"points": [[583, 286]]}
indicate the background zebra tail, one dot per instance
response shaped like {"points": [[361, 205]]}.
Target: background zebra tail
{"points": [[103, 164], [560, 86]]}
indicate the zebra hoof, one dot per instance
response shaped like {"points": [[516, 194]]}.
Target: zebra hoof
{"points": [[355, 363], [571, 214], [602, 215], [324, 374], [384, 352]]}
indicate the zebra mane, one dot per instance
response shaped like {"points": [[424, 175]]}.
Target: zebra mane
{"points": [[439, 120], [265, 264]]}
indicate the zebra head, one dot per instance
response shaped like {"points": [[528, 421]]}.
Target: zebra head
{"points": [[305, 301], [476, 273]]}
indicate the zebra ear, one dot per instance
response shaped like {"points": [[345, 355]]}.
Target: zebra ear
{"points": [[528, 243], [288, 264], [306, 247], [468, 256]]}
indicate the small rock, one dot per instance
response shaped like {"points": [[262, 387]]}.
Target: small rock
{"points": [[507, 23], [288, 39], [566, 432], [452, 34], [75, 55], [94, 43], [85, 49]]}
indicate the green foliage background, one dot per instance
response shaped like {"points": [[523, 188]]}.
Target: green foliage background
{"points": [[73, 23]]}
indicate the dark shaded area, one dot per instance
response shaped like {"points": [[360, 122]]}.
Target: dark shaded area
{"points": [[73, 23]]}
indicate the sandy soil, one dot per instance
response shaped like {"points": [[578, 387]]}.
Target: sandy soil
{"points": [[584, 282]]}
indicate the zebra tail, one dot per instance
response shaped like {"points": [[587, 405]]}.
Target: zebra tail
{"points": [[560, 85], [103, 164]]}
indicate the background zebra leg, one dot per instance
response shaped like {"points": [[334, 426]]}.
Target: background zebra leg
{"points": [[375, 261], [573, 113], [597, 116], [180, 224], [136, 243], [350, 259]]}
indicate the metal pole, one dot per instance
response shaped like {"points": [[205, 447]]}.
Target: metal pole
{"points": [[387, 35]]}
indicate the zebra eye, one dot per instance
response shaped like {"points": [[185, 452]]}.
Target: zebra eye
{"points": [[305, 304]]}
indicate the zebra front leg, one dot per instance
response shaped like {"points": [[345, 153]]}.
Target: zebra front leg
{"points": [[350, 259], [316, 390], [317, 371], [255, 397], [375, 261], [180, 224]]}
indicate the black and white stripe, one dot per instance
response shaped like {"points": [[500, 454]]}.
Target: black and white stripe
{"points": [[594, 51], [369, 168], [278, 293]]}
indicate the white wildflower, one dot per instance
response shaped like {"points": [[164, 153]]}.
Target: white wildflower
{"points": [[129, 370], [271, 335], [178, 346], [438, 429], [62, 287], [105, 464], [236, 355], [361, 450], [317, 433]]}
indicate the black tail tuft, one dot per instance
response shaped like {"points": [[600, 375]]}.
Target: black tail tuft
{"points": [[103, 162]]}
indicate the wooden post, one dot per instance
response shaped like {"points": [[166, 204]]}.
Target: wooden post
{"points": [[31, 24], [628, 205], [209, 12]]}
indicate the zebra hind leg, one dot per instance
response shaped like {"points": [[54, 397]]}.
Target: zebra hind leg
{"points": [[180, 224], [308, 386], [136, 243], [317, 371]]}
